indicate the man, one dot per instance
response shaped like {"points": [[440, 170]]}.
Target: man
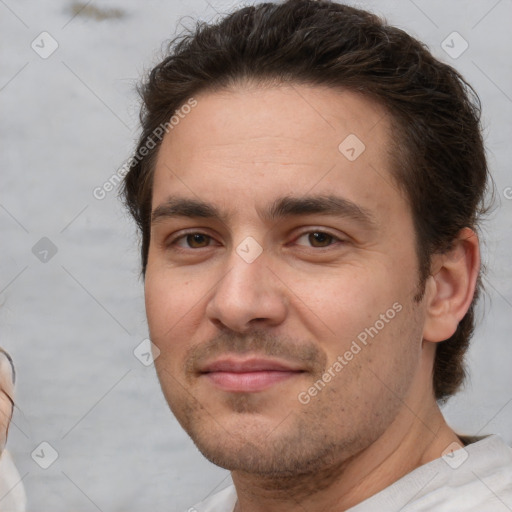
{"points": [[308, 184]]}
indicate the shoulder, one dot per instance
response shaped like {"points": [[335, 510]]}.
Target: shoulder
{"points": [[476, 478]]}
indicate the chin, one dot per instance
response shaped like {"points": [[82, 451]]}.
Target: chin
{"points": [[254, 444]]}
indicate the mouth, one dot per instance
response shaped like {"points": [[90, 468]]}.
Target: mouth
{"points": [[248, 375]]}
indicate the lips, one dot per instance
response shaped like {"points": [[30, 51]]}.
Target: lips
{"points": [[248, 375]]}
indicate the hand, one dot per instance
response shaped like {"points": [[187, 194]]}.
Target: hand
{"points": [[12, 492], [7, 376]]}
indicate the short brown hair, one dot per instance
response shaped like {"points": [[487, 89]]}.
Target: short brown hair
{"points": [[438, 154]]}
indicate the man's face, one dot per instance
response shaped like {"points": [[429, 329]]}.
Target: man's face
{"points": [[244, 335]]}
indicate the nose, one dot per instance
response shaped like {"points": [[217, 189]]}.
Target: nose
{"points": [[248, 296]]}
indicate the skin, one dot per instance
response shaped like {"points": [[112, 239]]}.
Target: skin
{"points": [[6, 394], [303, 300]]}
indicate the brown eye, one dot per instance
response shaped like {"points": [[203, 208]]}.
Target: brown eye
{"points": [[191, 242], [319, 239], [197, 240]]}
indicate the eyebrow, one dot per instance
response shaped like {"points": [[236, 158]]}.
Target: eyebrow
{"points": [[283, 207]]}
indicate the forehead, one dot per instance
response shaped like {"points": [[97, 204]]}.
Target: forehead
{"points": [[253, 144]]}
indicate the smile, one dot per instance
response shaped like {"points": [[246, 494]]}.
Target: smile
{"points": [[249, 375]]}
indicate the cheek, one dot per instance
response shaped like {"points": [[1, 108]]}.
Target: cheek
{"points": [[347, 298], [169, 302], [356, 302]]}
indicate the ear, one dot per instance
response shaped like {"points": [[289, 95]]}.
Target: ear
{"points": [[451, 286]]}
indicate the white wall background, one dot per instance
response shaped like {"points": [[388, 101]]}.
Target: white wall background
{"points": [[71, 324]]}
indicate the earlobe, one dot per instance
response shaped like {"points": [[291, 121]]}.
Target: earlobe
{"points": [[451, 286]]}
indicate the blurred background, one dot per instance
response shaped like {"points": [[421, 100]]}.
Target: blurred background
{"points": [[91, 430]]}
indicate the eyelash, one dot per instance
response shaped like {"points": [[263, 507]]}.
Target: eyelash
{"points": [[174, 242]]}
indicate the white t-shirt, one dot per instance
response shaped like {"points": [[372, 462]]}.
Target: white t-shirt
{"points": [[12, 492], [477, 478]]}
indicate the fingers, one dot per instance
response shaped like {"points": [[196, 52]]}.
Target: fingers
{"points": [[7, 378]]}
